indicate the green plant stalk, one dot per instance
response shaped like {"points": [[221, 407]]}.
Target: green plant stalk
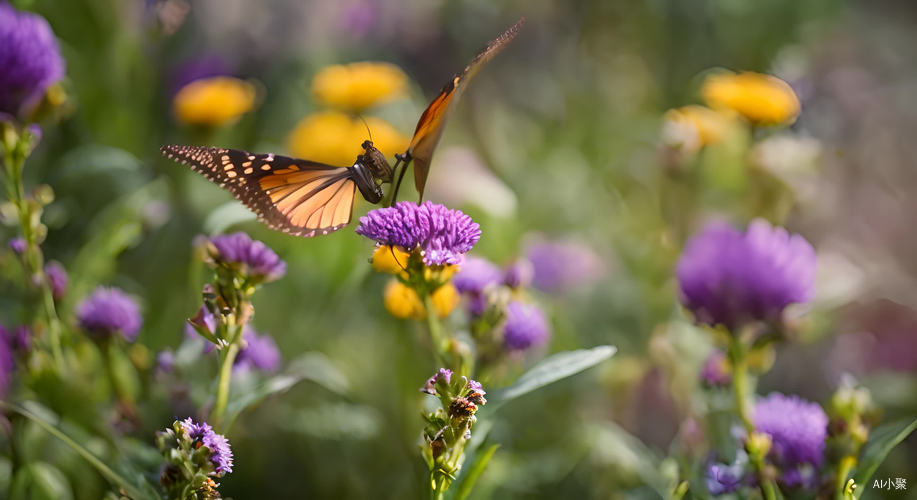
{"points": [[227, 360], [843, 470], [437, 337], [14, 161], [738, 357]]}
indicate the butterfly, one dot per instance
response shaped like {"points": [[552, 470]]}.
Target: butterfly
{"points": [[307, 198]]}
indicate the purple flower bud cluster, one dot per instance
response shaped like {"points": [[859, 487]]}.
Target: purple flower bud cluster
{"points": [[220, 451], [108, 311], [797, 429], [255, 259], [731, 278], [57, 278], [443, 235], [526, 327], [30, 58]]}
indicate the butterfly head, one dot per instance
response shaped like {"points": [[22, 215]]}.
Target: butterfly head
{"points": [[375, 161]]}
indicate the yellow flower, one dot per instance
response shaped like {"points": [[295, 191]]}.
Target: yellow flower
{"points": [[335, 138], [695, 125], [403, 302], [214, 101], [388, 259], [762, 99], [357, 86]]}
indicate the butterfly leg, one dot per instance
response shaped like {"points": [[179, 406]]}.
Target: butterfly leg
{"points": [[404, 160]]}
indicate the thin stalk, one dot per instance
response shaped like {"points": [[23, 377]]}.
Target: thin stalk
{"points": [[227, 359], [843, 471], [437, 337]]}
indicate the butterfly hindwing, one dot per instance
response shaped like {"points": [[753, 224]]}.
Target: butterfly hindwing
{"points": [[299, 197], [433, 120]]}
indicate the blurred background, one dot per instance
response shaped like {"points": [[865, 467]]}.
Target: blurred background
{"points": [[562, 131]]}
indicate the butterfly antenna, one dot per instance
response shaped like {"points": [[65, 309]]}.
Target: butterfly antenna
{"points": [[395, 257], [367, 129]]}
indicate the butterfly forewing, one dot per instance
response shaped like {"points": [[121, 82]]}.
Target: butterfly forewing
{"points": [[430, 126], [295, 196]]}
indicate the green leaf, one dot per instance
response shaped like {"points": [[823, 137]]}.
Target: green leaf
{"points": [[44, 420], [549, 370], [881, 442], [310, 366], [40, 481], [473, 473]]}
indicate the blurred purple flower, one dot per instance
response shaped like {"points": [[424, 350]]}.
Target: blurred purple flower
{"points": [[731, 278], [526, 327], [798, 429], [165, 361], [57, 278], [205, 66], [444, 235], [519, 273], [561, 266], [721, 478], [358, 18], [715, 372], [108, 311], [220, 451], [475, 275], [474, 385], [260, 352], [18, 246], [20, 339], [257, 260], [30, 58]]}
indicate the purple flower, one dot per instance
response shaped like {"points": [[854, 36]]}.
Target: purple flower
{"points": [[474, 385], [443, 235], [18, 246], [519, 274], [165, 361], [107, 311], [57, 278], [6, 365], [256, 260], [30, 58], [444, 375], [797, 429], [563, 265], [722, 478], [715, 372], [20, 339], [475, 275], [729, 278], [220, 452], [526, 327], [260, 352]]}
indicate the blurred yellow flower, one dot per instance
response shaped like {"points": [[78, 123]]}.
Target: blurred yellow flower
{"points": [[762, 99], [334, 138], [695, 125], [389, 259], [357, 86], [214, 101], [403, 302]]}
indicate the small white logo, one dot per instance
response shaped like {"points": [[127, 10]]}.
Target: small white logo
{"points": [[898, 483]]}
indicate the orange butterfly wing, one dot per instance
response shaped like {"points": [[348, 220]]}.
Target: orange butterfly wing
{"points": [[430, 126], [298, 197]]}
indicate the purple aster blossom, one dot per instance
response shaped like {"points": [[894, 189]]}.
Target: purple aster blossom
{"points": [[525, 327], [18, 246], [260, 352], [30, 58], [722, 478], [256, 259], [6, 365], [519, 273], [474, 385], [797, 429], [57, 278], [715, 372], [108, 311], [731, 278], [220, 451], [475, 275], [442, 234], [561, 266]]}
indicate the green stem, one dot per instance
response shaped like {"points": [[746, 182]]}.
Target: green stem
{"points": [[227, 359], [843, 471], [437, 337], [738, 357]]}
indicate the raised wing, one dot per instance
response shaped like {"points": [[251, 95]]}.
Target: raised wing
{"points": [[430, 126], [298, 197]]}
